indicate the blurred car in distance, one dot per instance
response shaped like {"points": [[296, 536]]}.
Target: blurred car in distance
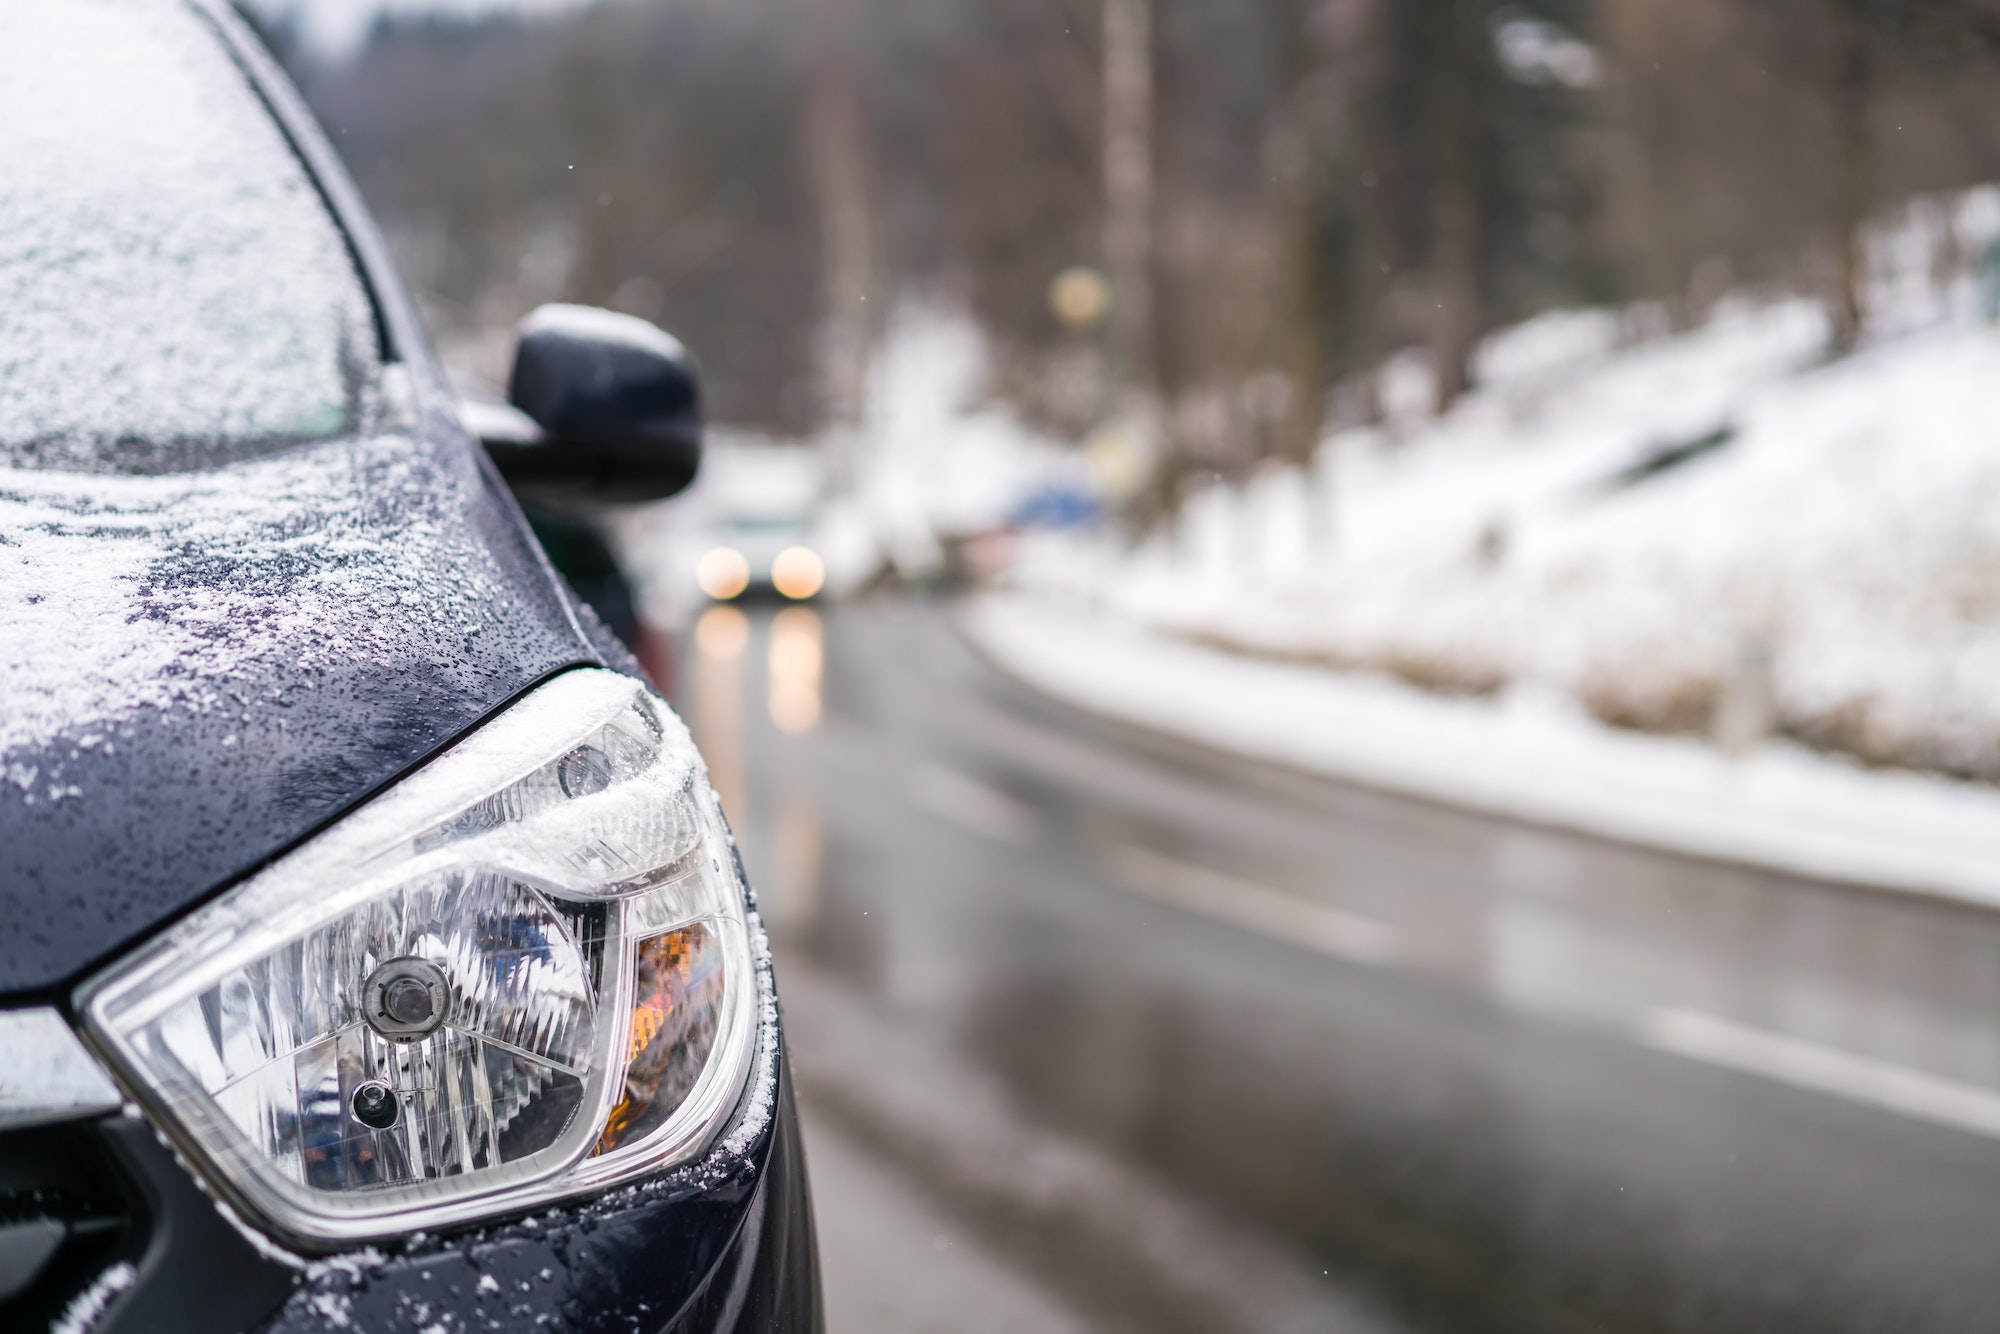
{"points": [[761, 504]]}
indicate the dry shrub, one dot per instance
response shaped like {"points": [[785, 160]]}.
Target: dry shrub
{"points": [[1677, 703], [1858, 727], [1441, 673]]}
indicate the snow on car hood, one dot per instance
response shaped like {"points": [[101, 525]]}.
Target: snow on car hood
{"points": [[199, 668]]}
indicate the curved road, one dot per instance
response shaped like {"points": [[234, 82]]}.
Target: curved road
{"points": [[1181, 1042]]}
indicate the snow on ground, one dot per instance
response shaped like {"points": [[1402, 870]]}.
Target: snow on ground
{"points": [[1780, 807], [1828, 569]]}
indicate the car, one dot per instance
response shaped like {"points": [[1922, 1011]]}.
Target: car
{"points": [[761, 505], [374, 953]]}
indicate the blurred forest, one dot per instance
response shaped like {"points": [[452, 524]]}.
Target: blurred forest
{"points": [[1277, 195]]}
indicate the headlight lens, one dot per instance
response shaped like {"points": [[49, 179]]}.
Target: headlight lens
{"points": [[522, 973]]}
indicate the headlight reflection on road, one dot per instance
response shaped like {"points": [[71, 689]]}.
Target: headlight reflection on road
{"points": [[797, 658], [720, 637], [722, 633]]}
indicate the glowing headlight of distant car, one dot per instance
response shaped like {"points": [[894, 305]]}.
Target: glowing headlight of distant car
{"points": [[798, 573], [723, 573], [522, 973]]}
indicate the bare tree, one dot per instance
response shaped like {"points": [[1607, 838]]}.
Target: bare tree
{"points": [[1128, 193], [1294, 147], [1455, 211], [836, 144], [1852, 87]]}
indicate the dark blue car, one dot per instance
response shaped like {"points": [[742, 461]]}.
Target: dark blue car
{"points": [[373, 951]]}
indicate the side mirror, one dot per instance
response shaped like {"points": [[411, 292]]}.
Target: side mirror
{"points": [[604, 407]]}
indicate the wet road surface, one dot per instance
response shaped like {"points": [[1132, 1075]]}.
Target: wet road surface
{"points": [[1156, 1039]]}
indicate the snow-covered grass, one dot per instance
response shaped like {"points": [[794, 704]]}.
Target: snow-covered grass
{"points": [[1828, 571]]}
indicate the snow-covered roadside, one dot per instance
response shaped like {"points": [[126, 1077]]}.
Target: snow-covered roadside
{"points": [[1531, 758], [1832, 573], [1716, 531]]}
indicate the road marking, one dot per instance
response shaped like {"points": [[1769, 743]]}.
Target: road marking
{"points": [[1244, 903], [973, 806], [1823, 1069], [1690, 1034]]}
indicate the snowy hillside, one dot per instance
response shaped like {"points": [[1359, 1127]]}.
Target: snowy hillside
{"points": [[1715, 532]]}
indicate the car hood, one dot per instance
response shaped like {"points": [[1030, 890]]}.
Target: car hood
{"points": [[199, 669]]}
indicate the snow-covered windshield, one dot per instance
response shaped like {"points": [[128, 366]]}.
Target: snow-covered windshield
{"points": [[173, 292]]}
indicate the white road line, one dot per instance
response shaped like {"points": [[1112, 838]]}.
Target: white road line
{"points": [[1822, 1069], [1268, 912], [1689, 1034], [973, 806]]}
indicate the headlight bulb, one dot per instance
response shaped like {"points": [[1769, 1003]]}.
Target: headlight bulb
{"points": [[374, 1105], [405, 999]]}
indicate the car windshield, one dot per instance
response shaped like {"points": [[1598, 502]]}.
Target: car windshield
{"points": [[173, 291]]}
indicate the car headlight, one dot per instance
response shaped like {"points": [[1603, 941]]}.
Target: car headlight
{"points": [[522, 973]]}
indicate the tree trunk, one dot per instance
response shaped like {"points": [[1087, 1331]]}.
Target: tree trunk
{"points": [[1129, 193], [837, 141], [1357, 64], [1300, 209], [1374, 247], [1854, 164], [1455, 238]]}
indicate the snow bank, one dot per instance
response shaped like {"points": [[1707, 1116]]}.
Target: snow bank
{"points": [[1525, 756]]}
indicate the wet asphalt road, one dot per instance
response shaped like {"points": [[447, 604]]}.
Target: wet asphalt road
{"points": [[1126, 1035]]}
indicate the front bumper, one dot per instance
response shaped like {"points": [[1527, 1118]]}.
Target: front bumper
{"points": [[727, 1246]]}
